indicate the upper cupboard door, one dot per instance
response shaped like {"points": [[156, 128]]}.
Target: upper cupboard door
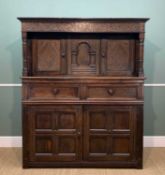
{"points": [[49, 56], [118, 55]]}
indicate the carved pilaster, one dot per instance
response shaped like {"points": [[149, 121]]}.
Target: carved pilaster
{"points": [[74, 56], [93, 58], [139, 55]]}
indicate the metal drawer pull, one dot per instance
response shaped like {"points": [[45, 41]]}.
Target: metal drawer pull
{"points": [[111, 92], [56, 91]]}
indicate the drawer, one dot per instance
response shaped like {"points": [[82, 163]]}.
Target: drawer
{"points": [[113, 92], [51, 92]]}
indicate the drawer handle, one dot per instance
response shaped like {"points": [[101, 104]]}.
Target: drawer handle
{"points": [[111, 92], [79, 133], [55, 91]]}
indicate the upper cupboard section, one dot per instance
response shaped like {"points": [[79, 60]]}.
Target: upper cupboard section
{"points": [[82, 54]]}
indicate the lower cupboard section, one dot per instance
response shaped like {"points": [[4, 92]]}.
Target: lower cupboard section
{"points": [[77, 135]]}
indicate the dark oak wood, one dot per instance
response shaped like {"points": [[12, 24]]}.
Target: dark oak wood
{"points": [[55, 133], [109, 133], [82, 96], [83, 25]]}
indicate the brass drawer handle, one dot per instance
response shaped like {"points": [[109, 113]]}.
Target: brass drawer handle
{"points": [[56, 91], [111, 92]]}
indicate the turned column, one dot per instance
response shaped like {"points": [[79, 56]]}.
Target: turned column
{"points": [[140, 55], [25, 66]]}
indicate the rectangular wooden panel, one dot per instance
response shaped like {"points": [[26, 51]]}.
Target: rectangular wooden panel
{"points": [[44, 145], [100, 120], [118, 57], [98, 146], [121, 145], [48, 57], [66, 121], [44, 120], [121, 121], [51, 91], [112, 92]]}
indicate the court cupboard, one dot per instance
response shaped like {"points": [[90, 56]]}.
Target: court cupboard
{"points": [[82, 95]]}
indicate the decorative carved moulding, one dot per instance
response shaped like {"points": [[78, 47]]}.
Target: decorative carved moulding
{"points": [[83, 25]]}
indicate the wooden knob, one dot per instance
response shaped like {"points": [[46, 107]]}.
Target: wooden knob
{"points": [[55, 91], [63, 54], [103, 54], [111, 91]]}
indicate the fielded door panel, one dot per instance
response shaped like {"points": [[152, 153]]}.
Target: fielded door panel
{"points": [[55, 133], [109, 133], [118, 55], [49, 56]]}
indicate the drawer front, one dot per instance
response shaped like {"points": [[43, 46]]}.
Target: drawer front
{"points": [[51, 92], [113, 92], [82, 92]]}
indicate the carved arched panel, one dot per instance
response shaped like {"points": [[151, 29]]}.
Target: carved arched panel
{"points": [[84, 56], [49, 57]]}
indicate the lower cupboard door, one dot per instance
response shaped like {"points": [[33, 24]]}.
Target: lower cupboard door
{"points": [[110, 133], [55, 133]]}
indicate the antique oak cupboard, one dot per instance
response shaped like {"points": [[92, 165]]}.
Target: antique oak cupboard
{"points": [[82, 92]]}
